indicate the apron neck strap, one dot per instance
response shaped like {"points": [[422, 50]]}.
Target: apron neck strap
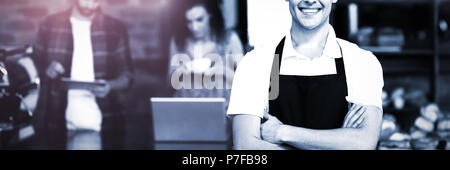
{"points": [[279, 55], [340, 62]]}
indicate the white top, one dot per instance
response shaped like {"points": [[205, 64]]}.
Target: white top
{"points": [[294, 63], [250, 91], [82, 110]]}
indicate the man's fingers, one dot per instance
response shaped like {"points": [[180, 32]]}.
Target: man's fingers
{"points": [[50, 73], [276, 120], [357, 116], [59, 68], [101, 91], [354, 117], [266, 115], [352, 106], [269, 118], [358, 123], [54, 69], [351, 113]]}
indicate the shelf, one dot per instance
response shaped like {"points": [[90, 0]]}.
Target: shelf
{"points": [[408, 60], [397, 72], [444, 66], [399, 66], [397, 51], [405, 71], [444, 53], [445, 49]]}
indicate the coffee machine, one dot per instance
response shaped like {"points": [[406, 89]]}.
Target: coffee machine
{"points": [[19, 87]]}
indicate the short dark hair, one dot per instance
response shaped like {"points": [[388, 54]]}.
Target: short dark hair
{"points": [[217, 21]]}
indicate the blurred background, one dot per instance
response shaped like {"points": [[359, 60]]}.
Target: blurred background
{"points": [[411, 39]]}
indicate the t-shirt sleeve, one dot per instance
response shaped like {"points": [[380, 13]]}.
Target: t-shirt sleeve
{"points": [[370, 82], [248, 93]]}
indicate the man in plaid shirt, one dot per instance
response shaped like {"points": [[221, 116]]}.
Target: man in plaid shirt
{"points": [[82, 44]]}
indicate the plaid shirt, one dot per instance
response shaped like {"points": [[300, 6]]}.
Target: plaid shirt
{"points": [[110, 44]]}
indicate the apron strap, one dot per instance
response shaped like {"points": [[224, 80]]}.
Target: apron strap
{"points": [[279, 51], [340, 63], [340, 66]]}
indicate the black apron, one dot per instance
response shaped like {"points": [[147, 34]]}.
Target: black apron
{"points": [[315, 102]]}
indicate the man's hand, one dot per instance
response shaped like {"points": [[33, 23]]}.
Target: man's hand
{"points": [[102, 91], [54, 70], [355, 117], [269, 129]]}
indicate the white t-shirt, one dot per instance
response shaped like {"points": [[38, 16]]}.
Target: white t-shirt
{"points": [[294, 63], [250, 91], [83, 112]]}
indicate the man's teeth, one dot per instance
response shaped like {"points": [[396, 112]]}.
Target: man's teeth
{"points": [[310, 10]]}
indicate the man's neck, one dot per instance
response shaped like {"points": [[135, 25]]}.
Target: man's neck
{"points": [[303, 37], [76, 14]]}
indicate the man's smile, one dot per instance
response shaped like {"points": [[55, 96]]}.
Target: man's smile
{"points": [[311, 10]]}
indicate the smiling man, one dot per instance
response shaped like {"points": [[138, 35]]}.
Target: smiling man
{"points": [[310, 90]]}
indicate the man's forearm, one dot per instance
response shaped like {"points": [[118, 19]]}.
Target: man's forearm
{"points": [[247, 135], [361, 138], [336, 139]]}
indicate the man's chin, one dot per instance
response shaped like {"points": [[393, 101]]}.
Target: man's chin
{"points": [[310, 25]]}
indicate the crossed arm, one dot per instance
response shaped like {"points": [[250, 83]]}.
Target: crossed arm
{"points": [[247, 135], [250, 134]]}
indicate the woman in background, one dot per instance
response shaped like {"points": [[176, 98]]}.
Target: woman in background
{"points": [[199, 32]]}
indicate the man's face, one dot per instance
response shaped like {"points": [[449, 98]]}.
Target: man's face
{"points": [[310, 13], [88, 7], [198, 22]]}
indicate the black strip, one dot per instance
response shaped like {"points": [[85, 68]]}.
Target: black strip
{"points": [[191, 142], [279, 55], [240, 159], [340, 63], [340, 66], [279, 51]]}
